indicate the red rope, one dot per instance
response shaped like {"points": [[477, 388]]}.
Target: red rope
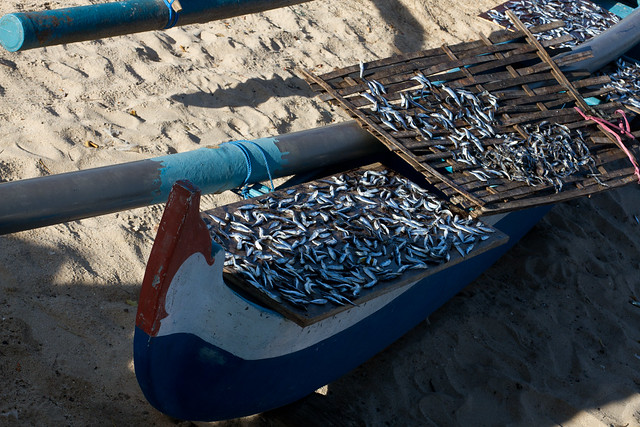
{"points": [[623, 130]]}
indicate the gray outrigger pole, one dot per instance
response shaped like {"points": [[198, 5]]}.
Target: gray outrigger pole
{"points": [[38, 202], [28, 30], [608, 45]]}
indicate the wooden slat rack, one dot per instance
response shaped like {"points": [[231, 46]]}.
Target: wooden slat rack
{"points": [[519, 71]]}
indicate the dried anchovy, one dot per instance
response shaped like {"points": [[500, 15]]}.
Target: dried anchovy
{"points": [[435, 111], [548, 156], [583, 19], [328, 242], [625, 81]]}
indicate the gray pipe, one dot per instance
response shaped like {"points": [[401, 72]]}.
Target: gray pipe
{"points": [[38, 202], [28, 30], [609, 45]]}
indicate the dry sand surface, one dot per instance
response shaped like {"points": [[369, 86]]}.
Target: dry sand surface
{"points": [[546, 336]]}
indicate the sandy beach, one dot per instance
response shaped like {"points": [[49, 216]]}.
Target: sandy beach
{"points": [[547, 336]]}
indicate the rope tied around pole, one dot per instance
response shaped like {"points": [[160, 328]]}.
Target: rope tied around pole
{"points": [[174, 7], [247, 158], [623, 128]]}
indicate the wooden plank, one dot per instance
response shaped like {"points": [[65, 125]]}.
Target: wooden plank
{"points": [[572, 58], [497, 37], [565, 98], [438, 64], [478, 55], [506, 60], [558, 40], [561, 115], [495, 80], [428, 143], [524, 99], [515, 94], [508, 83], [553, 99], [514, 58], [393, 65], [544, 55], [556, 198], [507, 35], [432, 68]]}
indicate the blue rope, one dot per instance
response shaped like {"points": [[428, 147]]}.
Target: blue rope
{"points": [[173, 15], [247, 159]]}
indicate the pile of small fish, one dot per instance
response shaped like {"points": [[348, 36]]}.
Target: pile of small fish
{"points": [[583, 19], [625, 81], [548, 156], [433, 110], [331, 240], [464, 119]]}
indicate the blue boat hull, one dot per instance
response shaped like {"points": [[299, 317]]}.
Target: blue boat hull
{"points": [[187, 377]]}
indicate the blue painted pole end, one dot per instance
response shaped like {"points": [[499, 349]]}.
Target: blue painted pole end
{"points": [[28, 30], [12, 32]]}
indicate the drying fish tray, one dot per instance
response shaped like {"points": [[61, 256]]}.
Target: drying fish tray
{"points": [[583, 18], [294, 207], [530, 90]]}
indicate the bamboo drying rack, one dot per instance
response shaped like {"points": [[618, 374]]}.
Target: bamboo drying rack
{"points": [[516, 68]]}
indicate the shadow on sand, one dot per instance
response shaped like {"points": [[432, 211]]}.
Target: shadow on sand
{"points": [[249, 93], [538, 339], [409, 32], [65, 349]]}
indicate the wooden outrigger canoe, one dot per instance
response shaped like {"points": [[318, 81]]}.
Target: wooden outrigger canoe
{"points": [[203, 350]]}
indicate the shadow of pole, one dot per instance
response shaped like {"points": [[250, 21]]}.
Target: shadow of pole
{"points": [[409, 32], [249, 93]]}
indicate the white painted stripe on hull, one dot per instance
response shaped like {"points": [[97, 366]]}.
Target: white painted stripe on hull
{"points": [[198, 302]]}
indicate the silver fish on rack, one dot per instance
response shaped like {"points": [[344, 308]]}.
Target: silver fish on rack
{"points": [[464, 119], [625, 82], [548, 155], [327, 249], [583, 19]]}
